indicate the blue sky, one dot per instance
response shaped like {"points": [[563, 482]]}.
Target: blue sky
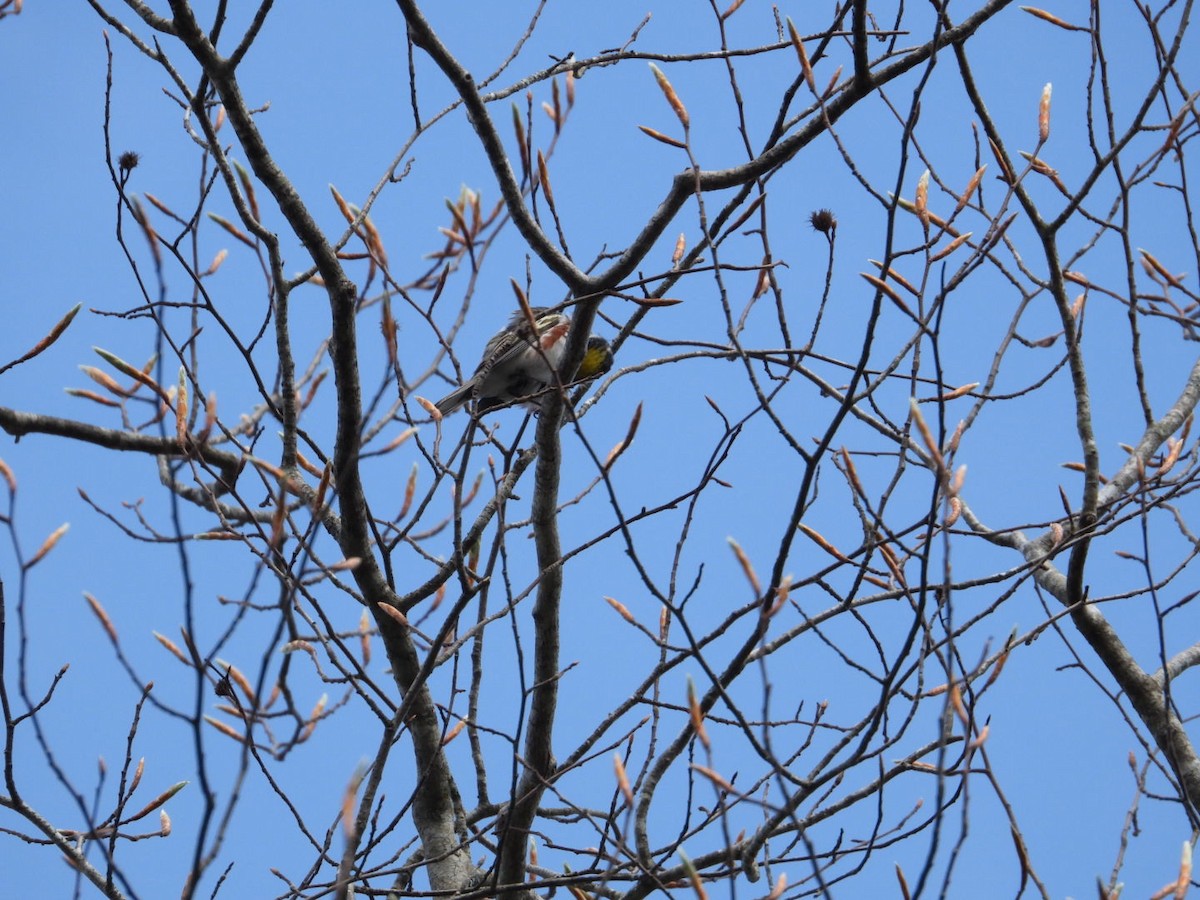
{"points": [[336, 85]]}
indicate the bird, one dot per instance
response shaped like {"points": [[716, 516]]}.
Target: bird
{"points": [[519, 367]]}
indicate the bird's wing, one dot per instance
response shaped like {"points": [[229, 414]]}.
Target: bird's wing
{"points": [[501, 349]]}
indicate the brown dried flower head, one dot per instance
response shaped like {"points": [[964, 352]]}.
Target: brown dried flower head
{"points": [[823, 220]]}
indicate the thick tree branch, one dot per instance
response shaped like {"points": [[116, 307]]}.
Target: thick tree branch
{"points": [[19, 424], [1147, 693], [435, 811]]}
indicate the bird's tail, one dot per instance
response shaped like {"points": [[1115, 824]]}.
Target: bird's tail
{"points": [[456, 399]]}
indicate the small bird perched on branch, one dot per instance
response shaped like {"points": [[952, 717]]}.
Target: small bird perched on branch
{"points": [[519, 365]]}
